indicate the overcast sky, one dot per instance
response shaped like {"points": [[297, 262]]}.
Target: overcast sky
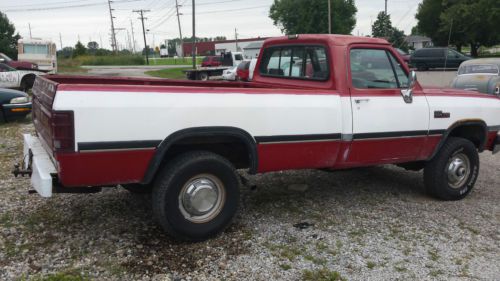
{"points": [[89, 19]]}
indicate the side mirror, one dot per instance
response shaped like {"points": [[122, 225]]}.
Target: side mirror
{"points": [[408, 92]]}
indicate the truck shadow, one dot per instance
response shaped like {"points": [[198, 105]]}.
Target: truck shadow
{"points": [[119, 225]]}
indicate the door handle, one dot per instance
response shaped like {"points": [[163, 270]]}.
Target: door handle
{"points": [[358, 101]]}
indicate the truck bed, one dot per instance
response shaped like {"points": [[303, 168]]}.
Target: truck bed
{"points": [[136, 81]]}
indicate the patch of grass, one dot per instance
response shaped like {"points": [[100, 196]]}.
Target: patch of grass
{"points": [[436, 273], [370, 264], [284, 251], [323, 274], [463, 226], [315, 260], [433, 254], [112, 60], [170, 73], [70, 66], [61, 277], [174, 61], [285, 266], [400, 268]]}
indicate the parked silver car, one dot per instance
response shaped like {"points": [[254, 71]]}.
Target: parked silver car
{"points": [[482, 75]]}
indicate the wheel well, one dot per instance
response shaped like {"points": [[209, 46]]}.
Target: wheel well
{"points": [[475, 133], [229, 147], [234, 144]]}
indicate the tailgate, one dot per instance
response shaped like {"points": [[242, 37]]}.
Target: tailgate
{"points": [[44, 92]]}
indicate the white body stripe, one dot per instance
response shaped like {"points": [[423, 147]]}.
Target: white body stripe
{"points": [[463, 108], [126, 116]]}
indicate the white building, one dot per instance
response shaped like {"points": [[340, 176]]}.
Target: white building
{"points": [[252, 50], [235, 46]]}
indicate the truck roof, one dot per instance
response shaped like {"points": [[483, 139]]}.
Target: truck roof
{"points": [[333, 39]]}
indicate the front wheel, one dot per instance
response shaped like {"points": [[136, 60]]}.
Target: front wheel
{"points": [[196, 196], [452, 173]]}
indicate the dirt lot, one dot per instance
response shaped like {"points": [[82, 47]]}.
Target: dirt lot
{"points": [[369, 224]]}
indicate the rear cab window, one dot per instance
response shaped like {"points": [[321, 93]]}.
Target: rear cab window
{"points": [[296, 62]]}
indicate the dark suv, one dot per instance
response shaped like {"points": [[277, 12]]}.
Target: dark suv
{"points": [[426, 58]]}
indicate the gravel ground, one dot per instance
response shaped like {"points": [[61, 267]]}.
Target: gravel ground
{"points": [[368, 224]]}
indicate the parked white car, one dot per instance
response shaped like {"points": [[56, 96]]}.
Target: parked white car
{"points": [[230, 74], [17, 79]]}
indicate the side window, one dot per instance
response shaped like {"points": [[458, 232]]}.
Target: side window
{"points": [[372, 69], [302, 62], [400, 73]]}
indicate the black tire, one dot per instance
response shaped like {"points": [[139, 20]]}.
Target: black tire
{"points": [[203, 76], [439, 180], [138, 188], [168, 206]]}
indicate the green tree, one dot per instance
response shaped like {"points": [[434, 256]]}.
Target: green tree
{"points": [[80, 50], [382, 26], [464, 22], [311, 16], [8, 37]]}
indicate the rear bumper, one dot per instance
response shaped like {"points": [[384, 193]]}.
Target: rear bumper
{"points": [[40, 162], [496, 145]]}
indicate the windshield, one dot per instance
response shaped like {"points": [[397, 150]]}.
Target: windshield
{"points": [[4, 67], [5, 57], [478, 69], [36, 49]]}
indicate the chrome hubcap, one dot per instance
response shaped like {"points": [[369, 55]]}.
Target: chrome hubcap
{"points": [[202, 198], [458, 170]]}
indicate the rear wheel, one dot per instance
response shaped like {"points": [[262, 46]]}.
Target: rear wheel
{"points": [[452, 173], [203, 76], [196, 196]]}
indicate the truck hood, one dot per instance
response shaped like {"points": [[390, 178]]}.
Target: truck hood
{"points": [[478, 83], [451, 91]]}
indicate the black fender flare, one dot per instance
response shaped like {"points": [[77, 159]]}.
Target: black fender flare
{"points": [[460, 123], [173, 138]]}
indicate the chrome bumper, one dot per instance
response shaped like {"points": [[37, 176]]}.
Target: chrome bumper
{"points": [[38, 161]]}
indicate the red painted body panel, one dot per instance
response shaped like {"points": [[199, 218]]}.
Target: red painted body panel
{"points": [[376, 151], [491, 138], [294, 155], [103, 167]]}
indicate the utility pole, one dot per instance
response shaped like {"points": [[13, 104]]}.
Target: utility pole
{"points": [[236, 38], [142, 18], [329, 16], [386, 7], [193, 51], [179, 24], [29, 26], [100, 40], [133, 36], [60, 40], [113, 34]]}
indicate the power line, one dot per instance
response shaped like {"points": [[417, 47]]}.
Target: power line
{"points": [[67, 7]]}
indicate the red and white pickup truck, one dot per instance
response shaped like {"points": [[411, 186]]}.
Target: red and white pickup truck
{"points": [[316, 101]]}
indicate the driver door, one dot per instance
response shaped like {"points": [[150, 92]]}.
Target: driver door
{"points": [[386, 129]]}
